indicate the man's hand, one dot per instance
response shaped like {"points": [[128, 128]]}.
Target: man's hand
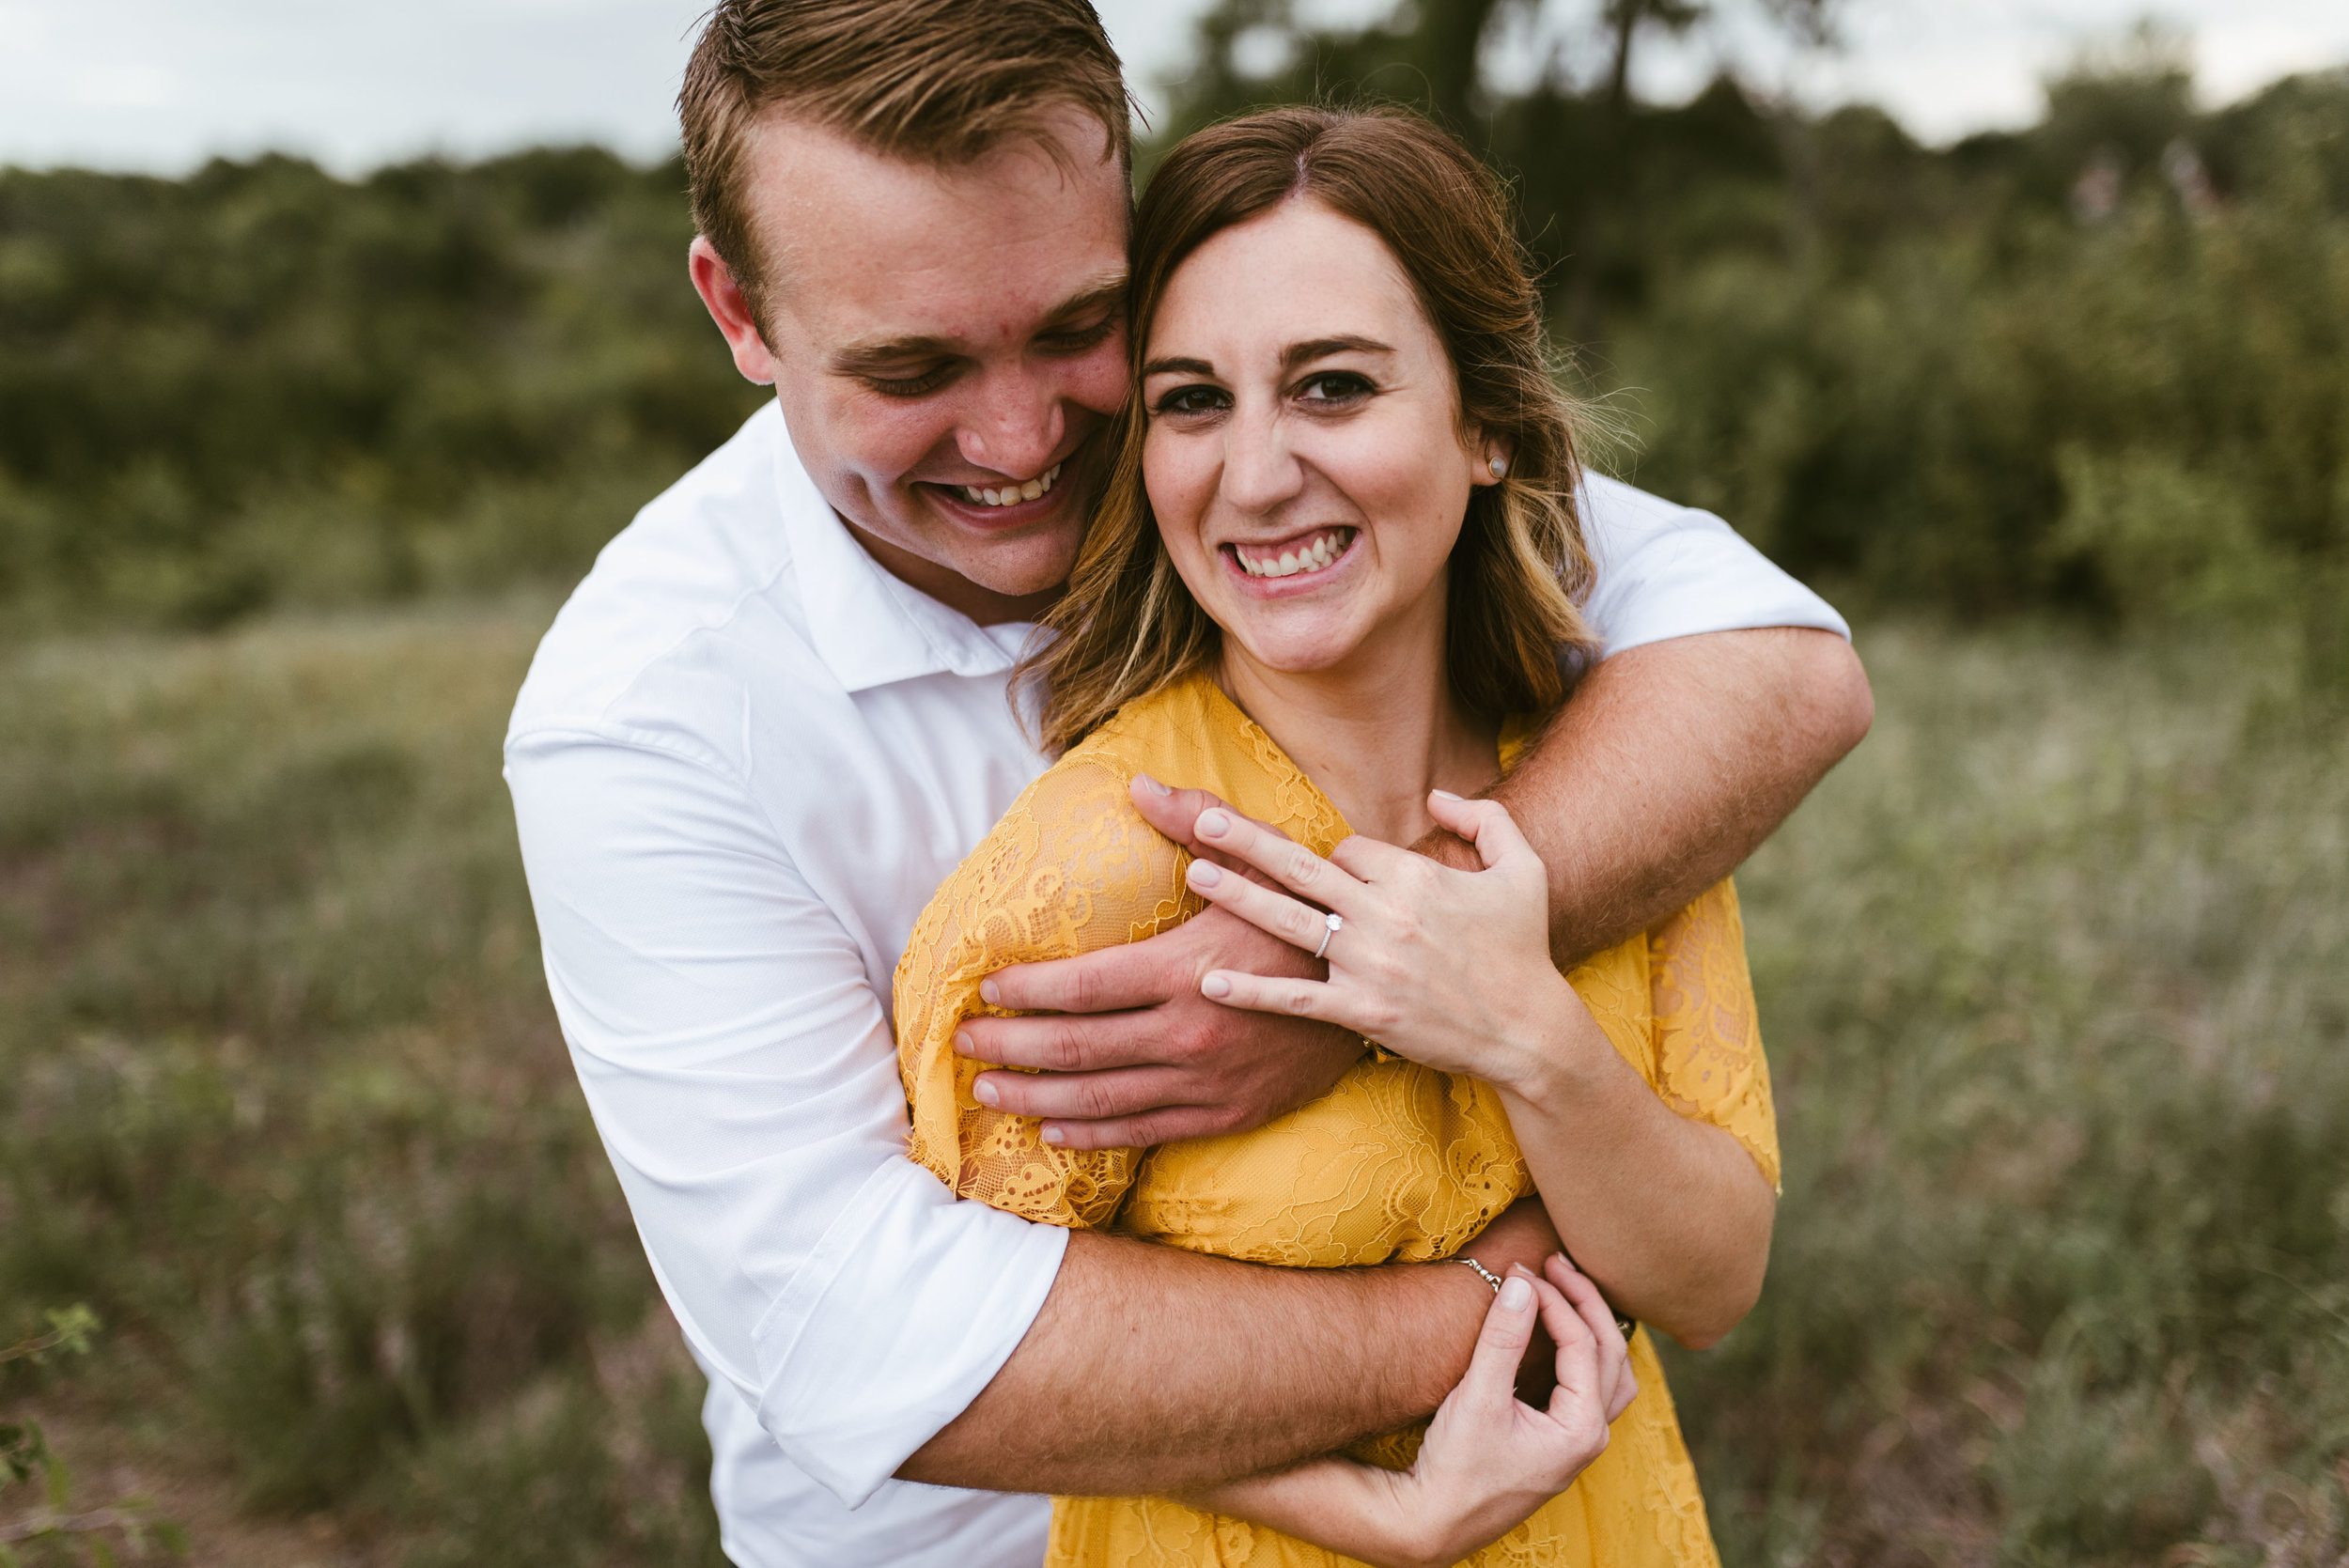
{"points": [[1135, 1055]]}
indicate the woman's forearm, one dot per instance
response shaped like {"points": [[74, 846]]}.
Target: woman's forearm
{"points": [[1669, 1215], [1354, 1510]]}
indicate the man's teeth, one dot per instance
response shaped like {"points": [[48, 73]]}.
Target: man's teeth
{"points": [[1322, 551], [1009, 495]]}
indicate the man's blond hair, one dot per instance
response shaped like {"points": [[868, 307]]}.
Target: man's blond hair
{"points": [[937, 81]]}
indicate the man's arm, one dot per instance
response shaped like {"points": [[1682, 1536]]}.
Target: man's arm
{"points": [[741, 1073], [1672, 761], [1670, 765], [1153, 1370]]}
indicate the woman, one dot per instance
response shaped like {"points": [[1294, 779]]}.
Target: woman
{"points": [[1331, 582]]}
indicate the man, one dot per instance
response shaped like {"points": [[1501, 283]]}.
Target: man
{"points": [[775, 716]]}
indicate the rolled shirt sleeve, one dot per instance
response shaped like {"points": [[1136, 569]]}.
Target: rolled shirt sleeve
{"points": [[1666, 570], [740, 1067]]}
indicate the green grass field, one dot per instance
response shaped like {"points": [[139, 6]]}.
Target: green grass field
{"points": [[2055, 973]]}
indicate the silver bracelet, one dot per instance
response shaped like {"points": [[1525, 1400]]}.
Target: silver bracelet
{"points": [[1626, 1326]]}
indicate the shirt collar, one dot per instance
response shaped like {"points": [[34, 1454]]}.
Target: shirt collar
{"points": [[869, 628]]}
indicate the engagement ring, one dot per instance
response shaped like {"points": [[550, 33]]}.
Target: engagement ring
{"points": [[1337, 922]]}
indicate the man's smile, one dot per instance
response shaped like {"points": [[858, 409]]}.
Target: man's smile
{"points": [[1001, 505], [1010, 493]]}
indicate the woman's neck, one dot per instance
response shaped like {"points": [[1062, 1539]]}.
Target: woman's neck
{"points": [[1378, 731]]}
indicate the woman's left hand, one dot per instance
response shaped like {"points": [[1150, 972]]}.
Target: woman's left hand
{"points": [[1451, 968]]}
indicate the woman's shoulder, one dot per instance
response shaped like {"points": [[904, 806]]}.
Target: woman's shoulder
{"points": [[1087, 788], [1190, 735], [1177, 718]]}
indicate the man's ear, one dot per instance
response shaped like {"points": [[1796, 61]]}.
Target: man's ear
{"points": [[713, 280]]}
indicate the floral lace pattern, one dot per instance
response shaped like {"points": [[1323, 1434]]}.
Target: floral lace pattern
{"points": [[1396, 1162]]}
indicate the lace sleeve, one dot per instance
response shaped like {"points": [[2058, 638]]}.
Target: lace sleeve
{"points": [[1070, 869], [1709, 1059]]}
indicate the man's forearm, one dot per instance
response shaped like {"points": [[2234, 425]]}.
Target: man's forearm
{"points": [[1151, 1369], [1672, 762], [1154, 1370]]}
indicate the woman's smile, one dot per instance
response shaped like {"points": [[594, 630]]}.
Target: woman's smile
{"points": [[1293, 562]]}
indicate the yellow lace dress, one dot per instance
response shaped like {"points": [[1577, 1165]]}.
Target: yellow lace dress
{"points": [[1396, 1162]]}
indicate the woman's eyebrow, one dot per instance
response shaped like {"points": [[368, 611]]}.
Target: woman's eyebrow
{"points": [[1178, 366], [1321, 348]]}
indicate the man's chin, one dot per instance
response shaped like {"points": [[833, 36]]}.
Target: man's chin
{"points": [[1039, 577], [1018, 562]]}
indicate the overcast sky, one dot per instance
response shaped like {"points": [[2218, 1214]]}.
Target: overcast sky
{"points": [[161, 84]]}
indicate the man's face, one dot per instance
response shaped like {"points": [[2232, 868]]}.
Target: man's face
{"points": [[948, 345]]}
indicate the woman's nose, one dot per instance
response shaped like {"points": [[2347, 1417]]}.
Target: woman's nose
{"points": [[1260, 473], [1015, 426]]}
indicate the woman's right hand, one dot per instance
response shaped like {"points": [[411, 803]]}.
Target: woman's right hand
{"points": [[1489, 1459]]}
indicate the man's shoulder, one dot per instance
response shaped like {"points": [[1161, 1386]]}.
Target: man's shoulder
{"points": [[686, 605], [1615, 515]]}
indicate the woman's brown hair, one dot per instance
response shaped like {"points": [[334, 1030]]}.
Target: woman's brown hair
{"points": [[1128, 626]]}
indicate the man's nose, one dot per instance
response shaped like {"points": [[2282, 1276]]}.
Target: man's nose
{"points": [[1015, 425], [1260, 473]]}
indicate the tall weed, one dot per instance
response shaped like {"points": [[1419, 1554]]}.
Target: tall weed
{"points": [[282, 1095], [2055, 974]]}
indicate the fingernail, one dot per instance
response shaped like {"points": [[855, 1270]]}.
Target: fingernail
{"points": [[1520, 1268], [1214, 823], [1515, 1294], [962, 1043], [988, 994], [1215, 985], [1053, 1135], [1443, 794], [985, 1092], [1206, 874], [1152, 785]]}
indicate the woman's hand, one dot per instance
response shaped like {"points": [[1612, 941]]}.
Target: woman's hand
{"points": [[1448, 968], [1489, 1460], [1452, 969]]}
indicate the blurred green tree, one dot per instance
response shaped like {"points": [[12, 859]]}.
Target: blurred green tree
{"points": [[1988, 376]]}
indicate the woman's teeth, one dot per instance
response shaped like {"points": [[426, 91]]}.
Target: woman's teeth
{"points": [[1009, 495], [1314, 556]]}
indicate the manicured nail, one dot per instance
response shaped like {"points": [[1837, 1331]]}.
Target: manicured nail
{"points": [[1205, 873], [1443, 794], [962, 1043], [988, 994], [1516, 1295], [1213, 823], [1053, 1135], [1152, 785], [985, 1092], [1215, 985]]}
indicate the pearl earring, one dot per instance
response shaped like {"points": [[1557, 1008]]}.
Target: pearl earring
{"points": [[1497, 467]]}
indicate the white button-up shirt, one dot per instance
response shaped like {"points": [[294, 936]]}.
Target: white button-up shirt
{"points": [[744, 758]]}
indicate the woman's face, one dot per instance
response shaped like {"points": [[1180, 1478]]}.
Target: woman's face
{"points": [[1304, 454]]}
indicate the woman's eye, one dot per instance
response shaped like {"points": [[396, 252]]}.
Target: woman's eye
{"points": [[1193, 399], [1334, 386]]}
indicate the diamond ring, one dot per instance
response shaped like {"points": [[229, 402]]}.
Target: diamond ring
{"points": [[1337, 923]]}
